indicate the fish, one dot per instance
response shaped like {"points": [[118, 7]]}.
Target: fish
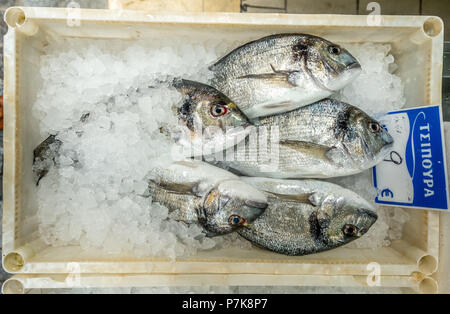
{"points": [[220, 124], [211, 122], [307, 216], [45, 155], [195, 192], [283, 72], [323, 140]]}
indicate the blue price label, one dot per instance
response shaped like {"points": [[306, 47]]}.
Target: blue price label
{"points": [[414, 174]]}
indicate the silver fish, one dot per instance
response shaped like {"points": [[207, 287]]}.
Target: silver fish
{"points": [[323, 140], [283, 72], [196, 192], [306, 217], [211, 121]]}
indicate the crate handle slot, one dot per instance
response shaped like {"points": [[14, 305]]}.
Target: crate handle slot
{"points": [[13, 262], [427, 264], [428, 286], [432, 26], [16, 18], [13, 286]]}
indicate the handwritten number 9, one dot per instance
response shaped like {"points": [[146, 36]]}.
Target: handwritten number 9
{"points": [[395, 158]]}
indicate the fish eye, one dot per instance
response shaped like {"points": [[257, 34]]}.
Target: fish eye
{"points": [[350, 230], [218, 110], [334, 50], [374, 127], [236, 220]]}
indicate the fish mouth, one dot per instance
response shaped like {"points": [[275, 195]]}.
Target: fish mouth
{"points": [[388, 144], [384, 151], [370, 213], [240, 120], [354, 65], [389, 140]]}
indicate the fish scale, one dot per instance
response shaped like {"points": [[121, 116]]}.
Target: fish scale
{"points": [[306, 217], [196, 192], [326, 139], [283, 72], [182, 207], [294, 238]]}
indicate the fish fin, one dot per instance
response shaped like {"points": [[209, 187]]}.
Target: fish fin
{"points": [[314, 199], [183, 215], [210, 234], [258, 110], [277, 76], [286, 104], [186, 163], [223, 166], [178, 188], [299, 198], [319, 151], [266, 76]]}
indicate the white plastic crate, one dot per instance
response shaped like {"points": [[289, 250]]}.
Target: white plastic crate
{"points": [[177, 5], [417, 43]]}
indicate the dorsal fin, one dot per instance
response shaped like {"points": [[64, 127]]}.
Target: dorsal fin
{"points": [[299, 198]]}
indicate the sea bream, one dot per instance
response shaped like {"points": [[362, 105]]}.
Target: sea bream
{"points": [[211, 122], [306, 217], [283, 72], [323, 140], [196, 192]]}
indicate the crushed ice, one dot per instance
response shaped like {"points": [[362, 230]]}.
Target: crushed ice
{"points": [[99, 98]]}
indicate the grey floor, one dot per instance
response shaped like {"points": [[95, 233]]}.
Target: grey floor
{"points": [[409, 7]]}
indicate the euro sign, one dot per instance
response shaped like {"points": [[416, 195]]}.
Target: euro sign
{"points": [[387, 193]]}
